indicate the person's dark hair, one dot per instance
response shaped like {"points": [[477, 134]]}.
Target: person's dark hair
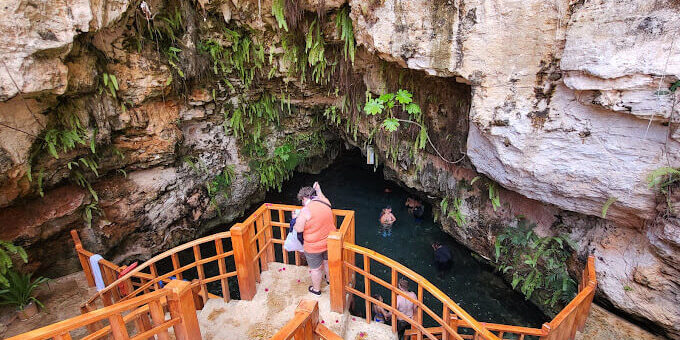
{"points": [[306, 192], [403, 284], [377, 297], [389, 207]]}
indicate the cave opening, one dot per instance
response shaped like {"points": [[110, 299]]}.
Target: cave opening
{"points": [[352, 184]]}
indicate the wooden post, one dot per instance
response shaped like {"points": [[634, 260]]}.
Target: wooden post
{"points": [[243, 260], [181, 305], [222, 265], [335, 269], [268, 234], [84, 261], [310, 307], [94, 326]]}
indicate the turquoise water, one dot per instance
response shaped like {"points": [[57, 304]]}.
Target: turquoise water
{"points": [[351, 184]]}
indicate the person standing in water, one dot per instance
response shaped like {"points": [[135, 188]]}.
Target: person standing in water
{"points": [[442, 256], [405, 306], [387, 219], [415, 208], [315, 222]]}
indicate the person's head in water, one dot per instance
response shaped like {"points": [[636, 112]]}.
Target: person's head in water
{"points": [[436, 245], [306, 193], [378, 297], [403, 284], [387, 210]]}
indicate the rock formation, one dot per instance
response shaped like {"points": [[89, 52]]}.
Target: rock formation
{"points": [[566, 105]]}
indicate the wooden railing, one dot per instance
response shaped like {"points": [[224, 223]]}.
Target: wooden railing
{"points": [[563, 327], [340, 257], [305, 324], [176, 296], [245, 251]]}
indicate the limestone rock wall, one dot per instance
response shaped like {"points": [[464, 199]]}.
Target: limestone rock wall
{"points": [[563, 103]]}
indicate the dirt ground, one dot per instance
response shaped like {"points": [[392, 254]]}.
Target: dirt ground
{"points": [[62, 298]]}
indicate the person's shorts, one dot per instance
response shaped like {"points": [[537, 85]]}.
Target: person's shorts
{"points": [[315, 260], [386, 226]]}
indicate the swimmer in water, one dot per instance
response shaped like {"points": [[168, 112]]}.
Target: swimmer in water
{"points": [[387, 219]]}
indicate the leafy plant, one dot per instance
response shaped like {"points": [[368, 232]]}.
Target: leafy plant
{"points": [[665, 179], [343, 23], [19, 291], [111, 82], [278, 8], [494, 197], [538, 264], [606, 206], [7, 249], [453, 210], [240, 55], [220, 184], [315, 48]]}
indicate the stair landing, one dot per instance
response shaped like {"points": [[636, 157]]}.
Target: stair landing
{"points": [[280, 290]]}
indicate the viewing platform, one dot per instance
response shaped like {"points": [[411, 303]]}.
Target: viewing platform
{"points": [[241, 284]]}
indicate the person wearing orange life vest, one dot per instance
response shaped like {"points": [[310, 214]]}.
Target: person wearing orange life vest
{"points": [[315, 222]]}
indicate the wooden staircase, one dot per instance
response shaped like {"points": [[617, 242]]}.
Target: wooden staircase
{"points": [[154, 300]]}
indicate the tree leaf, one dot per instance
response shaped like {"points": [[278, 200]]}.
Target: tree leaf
{"points": [[404, 97], [390, 124], [373, 106]]}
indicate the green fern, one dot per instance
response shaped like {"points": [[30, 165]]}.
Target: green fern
{"points": [[343, 23], [538, 264], [494, 197], [278, 7], [7, 249], [606, 206]]}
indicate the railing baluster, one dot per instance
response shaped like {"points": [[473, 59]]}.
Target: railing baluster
{"points": [[84, 260], [260, 232], [118, 328], [283, 235], [252, 244], [395, 280], [447, 318], [158, 318], [201, 273], [419, 313], [268, 234], [154, 275], [367, 286], [222, 264], [176, 265]]}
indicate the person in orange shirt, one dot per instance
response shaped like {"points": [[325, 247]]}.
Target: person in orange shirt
{"points": [[315, 222]]}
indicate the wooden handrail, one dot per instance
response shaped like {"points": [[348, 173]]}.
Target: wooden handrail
{"points": [[305, 324], [180, 304], [421, 282], [253, 243], [137, 272]]}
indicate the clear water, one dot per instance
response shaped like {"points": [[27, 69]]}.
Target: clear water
{"points": [[351, 184]]}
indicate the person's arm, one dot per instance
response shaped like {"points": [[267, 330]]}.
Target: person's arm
{"points": [[320, 194], [301, 220]]}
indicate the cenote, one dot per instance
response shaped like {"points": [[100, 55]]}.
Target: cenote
{"points": [[351, 184]]}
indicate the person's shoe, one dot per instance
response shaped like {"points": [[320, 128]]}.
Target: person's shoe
{"points": [[311, 290]]}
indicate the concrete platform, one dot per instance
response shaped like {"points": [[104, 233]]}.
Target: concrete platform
{"points": [[281, 288]]}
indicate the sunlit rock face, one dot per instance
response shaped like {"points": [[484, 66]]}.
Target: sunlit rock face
{"points": [[570, 106]]}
